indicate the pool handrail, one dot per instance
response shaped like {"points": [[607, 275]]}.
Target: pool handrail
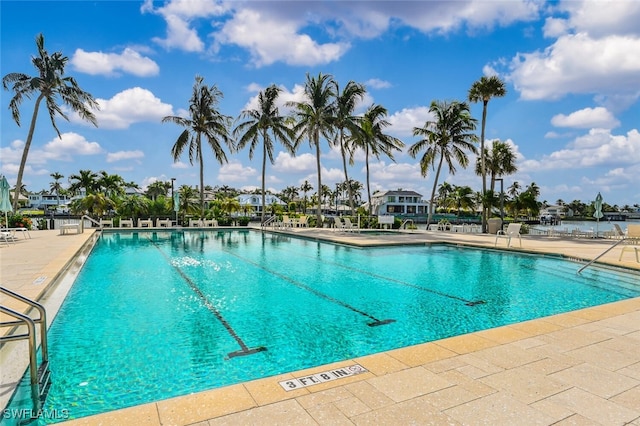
{"points": [[601, 254], [39, 375]]}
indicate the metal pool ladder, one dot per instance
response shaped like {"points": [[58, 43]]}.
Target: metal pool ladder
{"points": [[39, 374]]}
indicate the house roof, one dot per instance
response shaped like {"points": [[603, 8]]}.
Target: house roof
{"points": [[400, 192]]}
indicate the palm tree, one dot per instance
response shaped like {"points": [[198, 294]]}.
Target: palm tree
{"points": [[314, 117], [444, 192], [52, 86], [56, 186], [371, 138], [483, 90], [305, 187], [290, 193], [85, 179], [447, 139], [133, 206], [499, 161], [204, 121], [111, 185], [262, 123], [157, 188], [345, 120], [462, 198], [188, 204]]}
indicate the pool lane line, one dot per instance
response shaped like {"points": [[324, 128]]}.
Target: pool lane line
{"points": [[375, 321], [244, 349], [439, 293]]}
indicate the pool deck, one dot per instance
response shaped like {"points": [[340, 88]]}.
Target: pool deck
{"points": [[581, 367]]}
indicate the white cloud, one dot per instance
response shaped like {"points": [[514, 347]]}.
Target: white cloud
{"points": [[403, 122], [179, 15], [598, 147], [376, 83], [124, 155], [180, 165], [579, 64], [269, 40], [586, 118], [128, 107], [600, 18], [286, 163], [234, 171], [129, 61]]}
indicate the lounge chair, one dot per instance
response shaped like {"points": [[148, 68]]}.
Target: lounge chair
{"points": [[163, 223], [512, 231], [145, 223], [8, 237], [126, 223], [106, 223], [196, 223], [350, 226], [303, 222], [338, 223], [210, 223], [632, 241]]}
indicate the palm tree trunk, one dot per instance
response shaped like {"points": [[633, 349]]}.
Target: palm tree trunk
{"points": [[264, 168], [346, 175], [482, 165], [316, 139], [433, 190], [201, 177], [25, 152], [366, 163]]}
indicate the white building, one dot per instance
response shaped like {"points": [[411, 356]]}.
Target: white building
{"points": [[403, 203], [255, 201], [47, 201]]}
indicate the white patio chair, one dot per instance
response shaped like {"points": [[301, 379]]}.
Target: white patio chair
{"points": [[513, 230], [631, 241]]}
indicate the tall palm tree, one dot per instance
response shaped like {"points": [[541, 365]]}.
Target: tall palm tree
{"points": [[370, 137], [52, 87], [204, 121], [344, 120], [446, 139], [55, 185], [314, 118], [482, 91], [267, 124]]}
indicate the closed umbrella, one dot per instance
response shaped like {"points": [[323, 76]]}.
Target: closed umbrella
{"points": [[598, 213], [5, 202]]}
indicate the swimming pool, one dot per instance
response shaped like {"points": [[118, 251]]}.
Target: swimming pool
{"points": [[159, 314]]}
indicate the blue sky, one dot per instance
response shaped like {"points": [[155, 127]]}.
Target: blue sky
{"points": [[572, 70]]}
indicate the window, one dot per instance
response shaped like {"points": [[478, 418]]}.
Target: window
{"points": [[391, 199]]}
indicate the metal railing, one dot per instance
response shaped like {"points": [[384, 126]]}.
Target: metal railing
{"points": [[270, 221], [38, 375], [601, 254]]}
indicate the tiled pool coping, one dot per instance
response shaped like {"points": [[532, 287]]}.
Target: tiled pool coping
{"points": [[576, 367]]}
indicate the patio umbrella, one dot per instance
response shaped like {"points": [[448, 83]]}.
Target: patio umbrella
{"points": [[598, 213], [5, 202]]}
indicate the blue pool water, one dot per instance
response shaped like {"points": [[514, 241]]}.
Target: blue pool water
{"points": [[154, 315]]}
